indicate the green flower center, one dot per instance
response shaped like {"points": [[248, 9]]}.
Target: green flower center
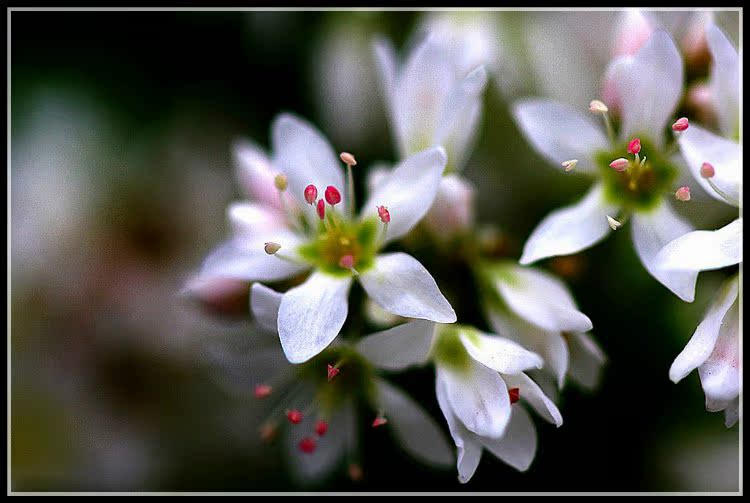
{"points": [[448, 350], [338, 238]]}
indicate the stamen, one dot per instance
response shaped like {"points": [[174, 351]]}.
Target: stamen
{"points": [[311, 194], [294, 416], [634, 147], [271, 248], [620, 164], [280, 181], [613, 224], [333, 371], [321, 427], [514, 394], [262, 391], [307, 445], [379, 421], [707, 170], [683, 194], [570, 165], [598, 107], [384, 214], [321, 209], [681, 124], [350, 161], [332, 195], [347, 262]]}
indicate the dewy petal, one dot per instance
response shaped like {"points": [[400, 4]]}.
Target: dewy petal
{"points": [[402, 286], [500, 354], [478, 397], [651, 232], [720, 373], [264, 304], [416, 431], [304, 155], [702, 343], [703, 250], [408, 191], [399, 347], [535, 397], [312, 314], [255, 173], [251, 219], [541, 299], [560, 132], [469, 448], [649, 86], [586, 360], [698, 146], [570, 229], [725, 79], [518, 446]]}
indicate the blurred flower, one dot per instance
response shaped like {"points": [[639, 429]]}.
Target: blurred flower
{"points": [[649, 85], [452, 213], [536, 309], [478, 379], [330, 239]]}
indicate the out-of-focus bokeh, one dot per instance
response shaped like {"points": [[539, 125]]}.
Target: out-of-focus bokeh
{"points": [[122, 125]]}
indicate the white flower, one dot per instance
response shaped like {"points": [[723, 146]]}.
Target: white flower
{"points": [[649, 85], [317, 404], [478, 379], [431, 99], [536, 309], [274, 241], [453, 211]]}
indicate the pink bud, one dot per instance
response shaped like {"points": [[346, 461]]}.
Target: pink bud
{"points": [[379, 421], [681, 124], [321, 427], [294, 416], [384, 214], [321, 209], [307, 445], [333, 196], [683, 193], [347, 262], [707, 170], [620, 164], [332, 371], [514, 394], [634, 146], [262, 391], [311, 194]]}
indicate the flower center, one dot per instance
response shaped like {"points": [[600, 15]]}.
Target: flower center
{"points": [[342, 245], [448, 350]]}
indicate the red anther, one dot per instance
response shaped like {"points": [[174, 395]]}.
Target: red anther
{"points": [[514, 394], [379, 421], [332, 371], [683, 194], [620, 164], [308, 445], [294, 416], [707, 170], [634, 146], [321, 427], [384, 214], [311, 194], [262, 391], [347, 261], [681, 124], [333, 196], [321, 209]]}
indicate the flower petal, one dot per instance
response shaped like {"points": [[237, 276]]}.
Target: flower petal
{"points": [[312, 314], [702, 343], [586, 360], [518, 446], [570, 229], [304, 155], [387, 63], [703, 250], [255, 173], [732, 413], [408, 191], [649, 86], [416, 431], [399, 347], [535, 397], [252, 220], [402, 286], [264, 304], [651, 232], [560, 132], [499, 354], [478, 397], [699, 146], [725, 79], [720, 373]]}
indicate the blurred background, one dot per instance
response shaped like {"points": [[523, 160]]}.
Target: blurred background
{"points": [[121, 170]]}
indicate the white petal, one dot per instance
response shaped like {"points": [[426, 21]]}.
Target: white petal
{"points": [[570, 229], [255, 173], [469, 448], [385, 58], [245, 259], [305, 156], [732, 413], [720, 373], [377, 174], [541, 299], [500, 354], [533, 395], [416, 431], [402, 286], [649, 86], [399, 347], [560, 132], [253, 220], [699, 146], [725, 79], [264, 304], [312, 314], [518, 446], [409, 191], [479, 398], [586, 360], [702, 343], [703, 250], [651, 232]]}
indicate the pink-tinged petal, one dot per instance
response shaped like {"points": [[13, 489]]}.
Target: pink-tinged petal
{"points": [[720, 373], [255, 172], [699, 146]]}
